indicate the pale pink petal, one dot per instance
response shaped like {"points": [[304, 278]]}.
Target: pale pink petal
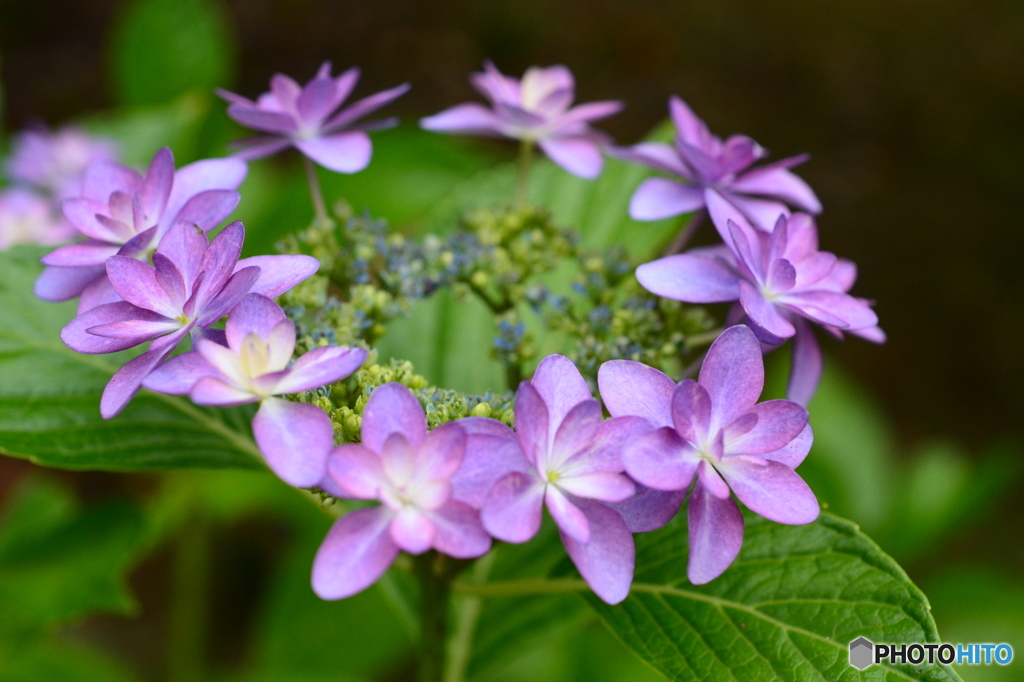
{"points": [[442, 452], [602, 486], [347, 152], [355, 553], [393, 408], [84, 254], [356, 471], [254, 314], [561, 386], [764, 313], [658, 198], [568, 517], [711, 480], [716, 535], [412, 530], [215, 392], [512, 510], [690, 278], [580, 156], [178, 375], [464, 119], [771, 489], [633, 388], [399, 459], [459, 533], [794, 452], [320, 367], [806, 368], [295, 439], [278, 274], [488, 458], [661, 460], [606, 561]]}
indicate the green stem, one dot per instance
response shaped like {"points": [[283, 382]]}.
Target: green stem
{"points": [[513, 375], [434, 591], [525, 156], [518, 588], [319, 206], [185, 653], [468, 609], [698, 340]]}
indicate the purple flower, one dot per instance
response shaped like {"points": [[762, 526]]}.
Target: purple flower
{"points": [[295, 438], [27, 218], [708, 167], [780, 280], [409, 471], [122, 213], [55, 161], [564, 456], [535, 109], [301, 117], [191, 285], [715, 430]]}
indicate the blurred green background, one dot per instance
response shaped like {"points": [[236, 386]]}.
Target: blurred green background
{"points": [[911, 112]]}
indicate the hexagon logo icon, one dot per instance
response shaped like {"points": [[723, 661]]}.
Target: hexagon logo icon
{"points": [[861, 653]]}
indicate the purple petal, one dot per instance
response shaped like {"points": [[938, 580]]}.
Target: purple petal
{"points": [[649, 509], [127, 381], [278, 274], [259, 146], [532, 422], [604, 453], [262, 120], [762, 213], [442, 452], [574, 433], [589, 112], [347, 152], [356, 470], [393, 408], [690, 278], [103, 178], [805, 372], [561, 386], [317, 100], [874, 334], [833, 308], [778, 422], [793, 452], [137, 330], [606, 561], [774, 181], [602, 486], [722, 212], [689, 126], [206, 209], [658, 198], [459, 532], [77, 337], [464, 119], [484, 426], [656, 155], [355, 553], [212, 391], [320, 367], [178, 375], [365, 106], [764, 313], [156, 188], [733, 374], [198, 177], [771, 489], [60, 284], [568, 517], [633, 388], [295, 439], [488, 458], [255, 314], [512, 510], [84, 254], [412, 530], [82, 214], [577, 155], [96, 294], [716, 535], [661, 460]]}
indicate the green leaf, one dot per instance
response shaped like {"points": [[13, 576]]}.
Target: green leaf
{"points": [[162, 49], [786, 609], [49, 397], [58, 563], [52, 660]]}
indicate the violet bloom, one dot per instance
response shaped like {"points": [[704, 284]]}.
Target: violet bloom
{"points": [[27, 218], [706, 166], [122, 213], [409, 471], [534, 109], [301, 117], [191, 285], [295, 438], [781, 280], [564, 456], [714, 430], [55, 161]]}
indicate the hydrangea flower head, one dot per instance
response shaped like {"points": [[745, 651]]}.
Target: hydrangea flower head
{"points": [[27, 218], [295, 438], [781, 280], [562, 456], [706, 166], [307, 118], [55, 161], [714, 430], [123, 213], [537, 108], [409, 471], [191, 285]]}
